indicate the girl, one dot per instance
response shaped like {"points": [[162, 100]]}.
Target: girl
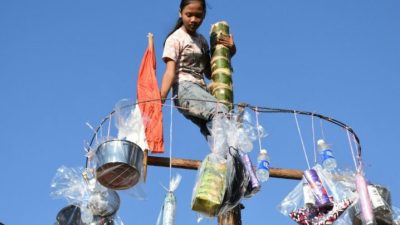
{"points": [[187, 57]]}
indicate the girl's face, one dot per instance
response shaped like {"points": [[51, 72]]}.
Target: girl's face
{"points": [[192, 16]]}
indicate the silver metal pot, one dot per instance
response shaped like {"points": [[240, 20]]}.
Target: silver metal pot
{"points": [[104, 203], [98, 220], [71, 215], [119, 164]]}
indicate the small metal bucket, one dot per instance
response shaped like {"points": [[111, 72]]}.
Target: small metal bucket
{"points": [[104, 203], [71, 215], [119, 164]]}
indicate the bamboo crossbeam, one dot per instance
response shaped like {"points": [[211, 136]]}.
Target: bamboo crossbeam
{"points": [[195, 164]]}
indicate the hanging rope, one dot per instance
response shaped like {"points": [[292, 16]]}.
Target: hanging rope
{"points": [[351, 149], [170, 143], [322, 128], [109, 125], [258, 130], [301, 139], [313, 139]]}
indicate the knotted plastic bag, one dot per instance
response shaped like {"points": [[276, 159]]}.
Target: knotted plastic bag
{"points": [[168, 211], [237, 180], [210, 187], [235, 131], [130, 123], [383, 212], [79, 187], [299, 208]]}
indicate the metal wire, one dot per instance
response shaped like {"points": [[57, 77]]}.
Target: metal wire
{"points": [[257, 109]]}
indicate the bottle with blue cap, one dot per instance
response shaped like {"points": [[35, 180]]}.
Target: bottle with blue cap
{"points": [[262, 171], [328, 160]]}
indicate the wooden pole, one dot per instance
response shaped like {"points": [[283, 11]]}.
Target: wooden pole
{"points": [[145, 158], [150, 41], [195, 164]]}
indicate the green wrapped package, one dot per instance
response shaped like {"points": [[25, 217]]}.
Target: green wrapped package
{"points": [[210, 187], [221, 69]]}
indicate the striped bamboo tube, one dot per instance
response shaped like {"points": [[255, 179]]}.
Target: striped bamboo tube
{"points": [[221, 70]]}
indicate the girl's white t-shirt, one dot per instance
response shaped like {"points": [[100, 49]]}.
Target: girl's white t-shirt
{"points": [[191, 55]]}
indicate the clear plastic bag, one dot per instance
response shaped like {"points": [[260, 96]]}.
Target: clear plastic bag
{"points": [[235, 131], [299, 208], [68, 183], [80, 188], [168, 211], [209, 190], [383, 212], [72, 215], [237, 181], [130, 123]]}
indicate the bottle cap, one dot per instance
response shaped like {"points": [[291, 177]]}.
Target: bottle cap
{"points": [[264, 151], [321, 142]]}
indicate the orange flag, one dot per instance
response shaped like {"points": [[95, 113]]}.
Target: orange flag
{"points": [[147, 90]]}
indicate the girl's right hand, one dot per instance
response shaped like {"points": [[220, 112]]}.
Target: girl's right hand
{"points": [[227, 41]]}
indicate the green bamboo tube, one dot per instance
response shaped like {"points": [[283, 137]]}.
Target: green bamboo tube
{"points": [[221, 50], [221, 63], [222, 78], [223, 95], [216, 58], [213, 86], [226, 71], [218, 29], [221, 70]]}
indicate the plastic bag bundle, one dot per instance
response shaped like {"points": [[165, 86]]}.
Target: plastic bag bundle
{"points": [[364, 200], [316, 216], [383, 214], [130, 123], [80, 189], [68, 183], [218, 140], [237, 181], [209, 191], [237, 131], [302, 204], [254, 184], [396, 215], [168, 210], [380, 204], [71, 215]]}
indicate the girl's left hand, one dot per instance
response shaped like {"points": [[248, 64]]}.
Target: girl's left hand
{"points": [[227, 41]]}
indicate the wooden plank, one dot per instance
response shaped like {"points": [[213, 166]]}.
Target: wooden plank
{"points": [[195, 164]]}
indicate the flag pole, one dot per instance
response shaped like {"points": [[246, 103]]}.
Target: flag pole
{"points": [[150, 44], [150, 41]]}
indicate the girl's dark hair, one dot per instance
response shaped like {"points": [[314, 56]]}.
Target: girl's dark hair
{"points": [[183, 4]]}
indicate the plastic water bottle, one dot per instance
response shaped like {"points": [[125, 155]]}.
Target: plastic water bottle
{"points": [[328, 160], [263, 166]]}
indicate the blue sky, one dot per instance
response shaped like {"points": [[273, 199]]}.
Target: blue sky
{"points": [[65, 63]]}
